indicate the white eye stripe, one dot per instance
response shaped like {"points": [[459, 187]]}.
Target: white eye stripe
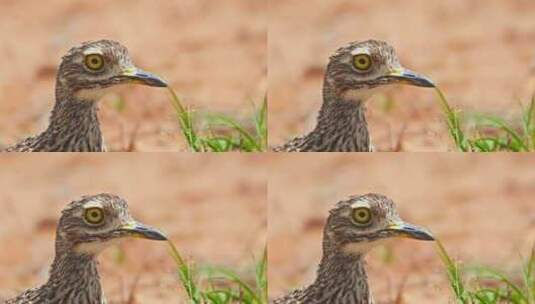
{"points": [[92, 50], [92, 204], [360, 203], [360, 51]]}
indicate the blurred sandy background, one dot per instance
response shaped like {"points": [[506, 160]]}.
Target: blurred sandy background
{"points": [[480, 52], [479, 206], [212, 52], [212, 216]]}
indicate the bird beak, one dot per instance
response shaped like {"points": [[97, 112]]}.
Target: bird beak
{"points": [[403, 229], [143, 231], [135, 75], [405, 76]]}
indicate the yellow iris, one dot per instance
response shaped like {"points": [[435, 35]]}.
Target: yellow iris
{"points": [[362, 62], [362, 215], [94, 215], [94, 62]]}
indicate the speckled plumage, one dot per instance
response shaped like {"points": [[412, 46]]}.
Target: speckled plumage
{"points": [[74, 277], [74, 124], [341, 124], [341, 277]]}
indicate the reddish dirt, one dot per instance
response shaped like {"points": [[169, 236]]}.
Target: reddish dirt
{"points": [[481, 53], [195, 199], [212, 53], [480, 207]]}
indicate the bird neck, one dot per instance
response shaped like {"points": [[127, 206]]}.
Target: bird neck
{"points": [[74, 124], [341, 278], [342, 123], [74, 278]]}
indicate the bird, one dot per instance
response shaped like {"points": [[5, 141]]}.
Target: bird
{"points": [[354, 73], [86, 227], [353, 227], [86, 73]]}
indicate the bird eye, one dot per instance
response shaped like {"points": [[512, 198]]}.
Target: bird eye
{"points": [[362, 62], [94, 62], [362, 216], [94, 215]]}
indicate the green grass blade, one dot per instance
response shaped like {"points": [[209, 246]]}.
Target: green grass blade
{"points": [[498, 122], [487, 272], [219, 285], [260, 120], [186, 275], [219, 144], [528, 125], [528, 276], [239, 138], [185, 119], [231, 123], [261, 277], [453, 122], [486, 144], [454, 275], [505, 137], [223, 273], [487, 296]]}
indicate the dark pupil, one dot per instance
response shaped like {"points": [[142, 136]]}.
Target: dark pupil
{"points": [[94, 61], [94, 214], [362, 61], [362, 215]]}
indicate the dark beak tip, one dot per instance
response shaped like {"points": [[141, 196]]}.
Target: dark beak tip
{"points": [[148, 233], [423, 235], [155, 235], [161, 237], [417, 233], [421, 81], [427, 237], [155, 81], [150, 79], [428, 84], [162, 84], [415, 79]]}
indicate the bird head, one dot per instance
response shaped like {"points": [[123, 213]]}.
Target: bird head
{"points": [[360, 69], [91, 224], [356, 225], [92, 68]]}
